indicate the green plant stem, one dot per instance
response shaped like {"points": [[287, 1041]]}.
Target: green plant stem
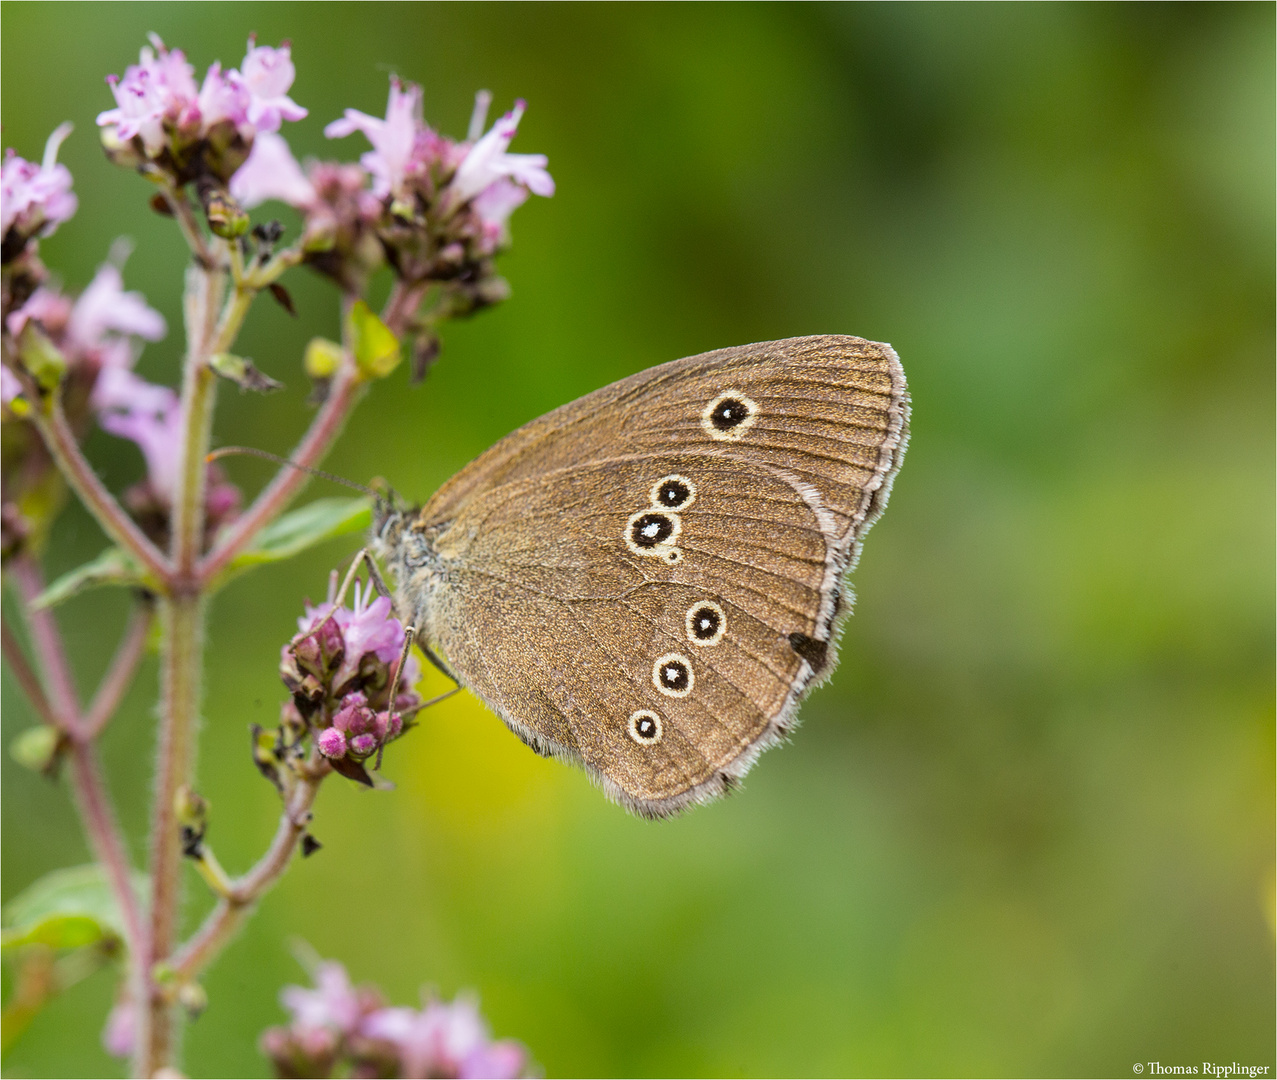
{"points": [[188, 505], [224, 921], [182, 615], [182, 620]]}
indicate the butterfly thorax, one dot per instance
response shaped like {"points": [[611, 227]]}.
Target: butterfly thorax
{"points": [[408, 548]]}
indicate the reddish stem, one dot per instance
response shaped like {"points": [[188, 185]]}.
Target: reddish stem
{"points": [[325, 428], [104, 835], [46, 643], [120, 674], [91, 797], [231, 910], [62, 444], [28, 679], [402, 305]]}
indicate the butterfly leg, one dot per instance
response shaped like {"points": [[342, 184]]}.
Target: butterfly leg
{"points": [[436, 663], [340, 598], [410, 634], [374, 575], [364, 557]]}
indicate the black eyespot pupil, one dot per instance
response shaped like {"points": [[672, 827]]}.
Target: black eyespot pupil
{"points": [[673, 493], [729, 413], [646, 727], [674, 676], [707, 623], [651, 529]]}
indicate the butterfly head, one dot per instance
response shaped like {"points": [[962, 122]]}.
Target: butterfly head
{"points": [[390, 514]]}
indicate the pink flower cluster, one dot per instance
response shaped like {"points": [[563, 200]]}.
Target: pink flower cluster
{"points": [[339, 1025], [358, 729], [438, 204], [99, 336], [340, 670], [100, 325], [34, 199], [163, 112]]}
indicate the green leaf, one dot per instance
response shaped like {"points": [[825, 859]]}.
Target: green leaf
{"points": [[113, 567], [58, 932], [376, 348], [66, 910], [303, 528]]}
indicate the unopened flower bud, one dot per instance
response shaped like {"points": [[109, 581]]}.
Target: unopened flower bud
{"points": [[38, 748], [332, 743], [289, 670], [453, 254], [320, 651], [291, 719], [191, 808], [322, 358], [119, 151], [119, 1036], [319, 234], [193, 998], [403, 208], [266, 754], [225, 217], [375, 346], [355, 717], [363, 745]]}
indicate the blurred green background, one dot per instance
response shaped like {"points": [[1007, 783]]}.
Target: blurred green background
{"points": [[1028, 828]]}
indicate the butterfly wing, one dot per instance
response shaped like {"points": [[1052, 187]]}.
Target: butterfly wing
{"points": [[647, 580]]}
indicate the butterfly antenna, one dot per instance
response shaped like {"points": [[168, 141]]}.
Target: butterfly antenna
{"points": [[227, 451]]}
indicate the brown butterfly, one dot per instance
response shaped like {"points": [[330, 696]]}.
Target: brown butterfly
{"points": [[647, 581]]}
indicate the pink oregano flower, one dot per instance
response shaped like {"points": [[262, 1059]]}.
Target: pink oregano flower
{"points": [[159, 92], [404, 146], [443, 1039], [393, 139], [368, 627], [487, 163], [105, 308], [151, 416], [334, 1003], [159, 87], [97, 329], [10, 387], [267, 75], [36, 198], [340, 1029], [271, 172]]}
